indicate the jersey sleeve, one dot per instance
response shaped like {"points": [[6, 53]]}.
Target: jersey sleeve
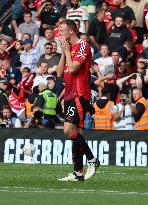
{"points": [[85, 16], [82, 52]]}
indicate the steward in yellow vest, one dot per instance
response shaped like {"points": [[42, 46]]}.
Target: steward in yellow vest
{"points": [[48, 102], [140, 111], [103, 117]]}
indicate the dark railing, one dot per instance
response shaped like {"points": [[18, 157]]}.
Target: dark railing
{"points": [[6, 11]]}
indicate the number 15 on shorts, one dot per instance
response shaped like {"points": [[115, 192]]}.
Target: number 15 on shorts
{"points": [[71, 111]]}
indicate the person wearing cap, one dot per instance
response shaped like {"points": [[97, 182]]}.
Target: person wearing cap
{"points": [[103, 117], [51, 82], [29, 56], [122, 114], [3, 95], [54, 86], [48, 102], [57, 88]]}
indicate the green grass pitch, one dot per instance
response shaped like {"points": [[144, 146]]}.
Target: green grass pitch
{"points": [[37, 185]]}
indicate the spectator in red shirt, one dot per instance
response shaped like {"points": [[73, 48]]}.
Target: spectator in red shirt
{"points": [[132, 30], [107, 16], [25, 86]]}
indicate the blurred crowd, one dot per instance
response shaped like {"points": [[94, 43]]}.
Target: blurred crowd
{"points": [[32, 95]]}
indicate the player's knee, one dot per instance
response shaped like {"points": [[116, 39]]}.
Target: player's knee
{"points": [[67, 131], [71, 132]]}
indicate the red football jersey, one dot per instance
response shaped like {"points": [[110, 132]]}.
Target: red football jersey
{"points": [[78, 84]]}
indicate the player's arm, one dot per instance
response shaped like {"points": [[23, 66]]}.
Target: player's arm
{"points": [[73, 66]]}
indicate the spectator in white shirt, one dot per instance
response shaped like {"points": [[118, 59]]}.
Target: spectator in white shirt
{"points": [[76, 12], [122, 114], [105, 62], [41, 74], [29, 57]]}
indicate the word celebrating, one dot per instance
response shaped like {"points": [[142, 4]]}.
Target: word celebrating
{"points": [[120, 153]]}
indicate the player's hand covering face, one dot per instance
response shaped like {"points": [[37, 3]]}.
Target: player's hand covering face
{"points": [[64, 45]]}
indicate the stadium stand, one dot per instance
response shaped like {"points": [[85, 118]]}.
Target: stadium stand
{"points": [[30, 51]]}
